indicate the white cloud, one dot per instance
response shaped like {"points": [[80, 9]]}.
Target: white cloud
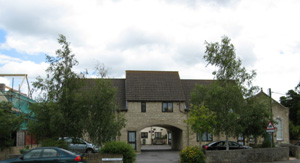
{"points": [[156, 35]]}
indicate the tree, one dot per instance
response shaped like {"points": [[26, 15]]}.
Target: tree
{"points": [[201, 120], [104, 120], [69, 107], [292, 101], [226, 96], [61, 96], [254, 118], [9, 123]]}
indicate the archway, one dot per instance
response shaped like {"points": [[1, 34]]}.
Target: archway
{"points": [[159, 137]]}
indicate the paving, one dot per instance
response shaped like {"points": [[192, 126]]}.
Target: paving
{"points": [[157, 153]]}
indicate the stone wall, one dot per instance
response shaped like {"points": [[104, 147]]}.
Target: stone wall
{"points": [[293, 149], [248, 155], [105, 158]]}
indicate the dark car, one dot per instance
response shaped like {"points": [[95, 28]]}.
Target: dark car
{"points": [[220, 145], [298, 143], [49, 155]]}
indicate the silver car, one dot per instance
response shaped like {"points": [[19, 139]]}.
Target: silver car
{"points": [[80, 145]]}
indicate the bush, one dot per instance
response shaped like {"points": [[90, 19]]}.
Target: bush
{"points": [[54, 143], [267, 142], [120, 148], [191, 155], [23, 151]]}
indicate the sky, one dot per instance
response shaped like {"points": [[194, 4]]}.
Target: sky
{"points": [[161, 35]]}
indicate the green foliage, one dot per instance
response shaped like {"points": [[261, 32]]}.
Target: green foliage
{"points": [[47, 118], [267, 141], [58, 113], [52, 142], [26, 149], [229, 67], [123, 148], [226, 96], [68, 108], [292, 101], [254, 118], [201, 119], [105, 122], [191, 155], [9, 122]]}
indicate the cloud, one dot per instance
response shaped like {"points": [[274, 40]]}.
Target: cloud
{"points": [[153, 35], [134, 38]]}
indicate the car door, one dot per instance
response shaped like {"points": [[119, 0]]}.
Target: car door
{"points": [[221, 145], [79, 145]]}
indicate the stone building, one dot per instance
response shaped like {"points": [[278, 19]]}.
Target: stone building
{"points": [[161, 98]]}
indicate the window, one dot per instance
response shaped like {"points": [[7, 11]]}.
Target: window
{"points": [[167, 106], [278, 126], [144, 135], [33, 154], [205, 137], [49, 153], [157, 134], [233, 144], [143, 106]]}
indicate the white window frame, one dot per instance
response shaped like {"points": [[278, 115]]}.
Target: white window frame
{"points": [[279, 129]]}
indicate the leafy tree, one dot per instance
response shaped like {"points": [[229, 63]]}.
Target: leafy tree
{"points": [[254, 118], [60, 100], [9, 123], [69, 107], [292, 101], [104, 120], [226, 95], [201, 120]]}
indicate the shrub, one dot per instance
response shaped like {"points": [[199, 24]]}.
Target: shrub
{"points": [[23, 151], [267, 142], [54, 143], [120, 148], [191, 155]]}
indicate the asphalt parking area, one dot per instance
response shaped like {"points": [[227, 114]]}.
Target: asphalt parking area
{"points": [[165, 156]]}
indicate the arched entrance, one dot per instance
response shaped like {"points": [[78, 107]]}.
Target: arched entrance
{"points": [[176, 136], [160, 137], [174, 122]]}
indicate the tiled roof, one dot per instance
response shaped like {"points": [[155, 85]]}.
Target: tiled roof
{"points": [[189, 85], [156, 86], [153, 86], [119, 84]]}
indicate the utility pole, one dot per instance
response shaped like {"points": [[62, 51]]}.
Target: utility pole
{"points": [[270, 94], [271, 133]]}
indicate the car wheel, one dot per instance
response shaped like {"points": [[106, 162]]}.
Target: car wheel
{"points": [[89, 151]]}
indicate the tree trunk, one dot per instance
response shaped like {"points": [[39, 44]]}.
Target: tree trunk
{"points": [[226, 143]]}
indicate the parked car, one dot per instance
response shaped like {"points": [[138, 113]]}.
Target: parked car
{"points": [[49, 155], [220, 145], [298, 143], [80, 145]]}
